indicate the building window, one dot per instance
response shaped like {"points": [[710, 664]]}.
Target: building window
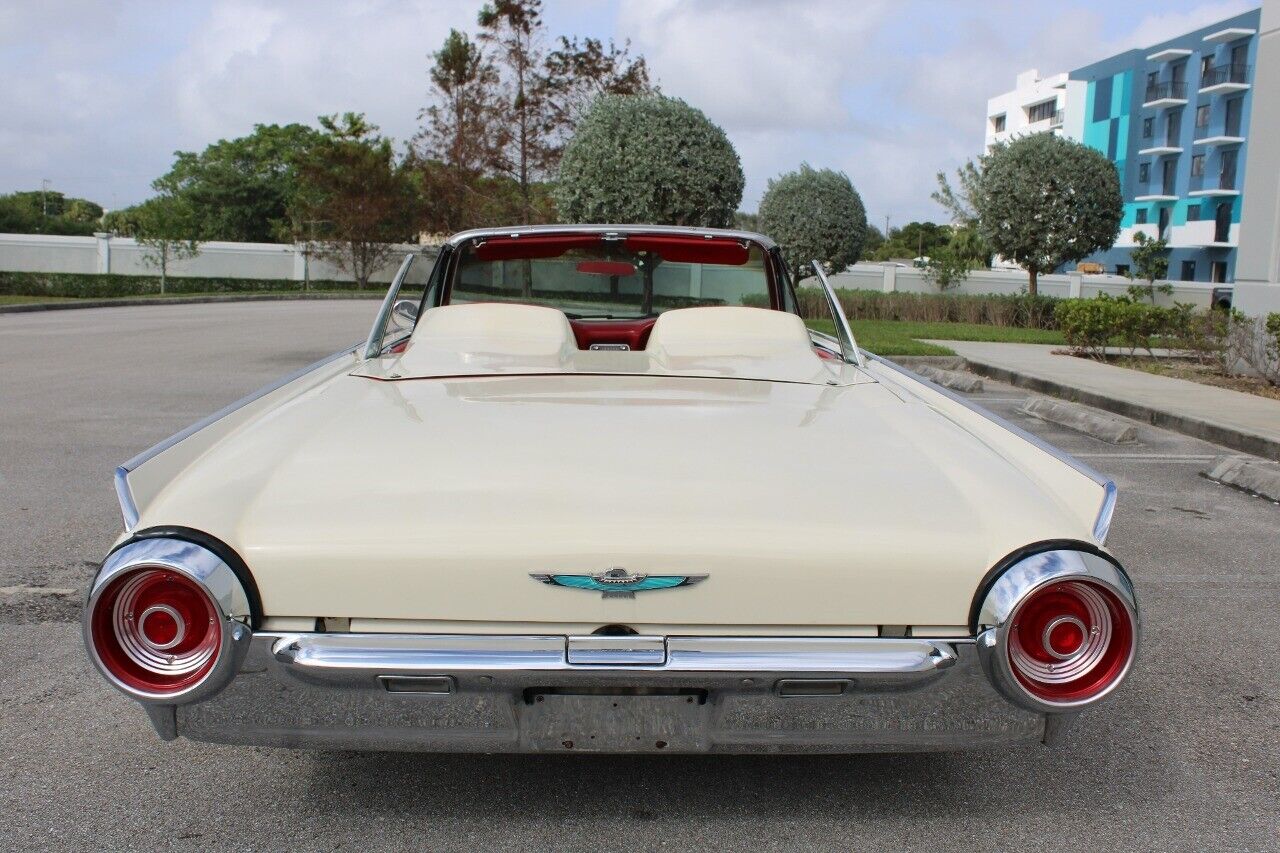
{"points": [[1042, 112], [1202, 115], [997, 123], [1144, 173], [1148, 127], [1193, 213], [1197, 165], [1188, 270], [1122, 269], [1206, 63], [1140, 216]]}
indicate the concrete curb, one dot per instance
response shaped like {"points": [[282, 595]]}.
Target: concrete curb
{"points": [[942, 362], [1247, 474], [1216, 433], [962, 382], [125, 302], [1081, 419]]}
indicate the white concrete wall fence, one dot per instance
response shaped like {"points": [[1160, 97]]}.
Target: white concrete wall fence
{"points": [[122, 255], [891, 279]]}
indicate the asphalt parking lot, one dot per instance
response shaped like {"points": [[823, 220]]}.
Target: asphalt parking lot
{"points": [[1185, 757]]}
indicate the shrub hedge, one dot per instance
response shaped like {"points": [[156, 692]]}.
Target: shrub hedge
{"points": [[95, 286], [1021, 311]]}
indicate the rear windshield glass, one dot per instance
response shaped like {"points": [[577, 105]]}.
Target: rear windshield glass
{"points": [[590, 278]]}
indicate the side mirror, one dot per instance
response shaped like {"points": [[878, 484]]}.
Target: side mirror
{"points": [[406, 311]]}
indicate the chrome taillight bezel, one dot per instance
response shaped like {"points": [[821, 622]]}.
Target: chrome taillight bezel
{"points": [[1018, 583], [218, 582]]}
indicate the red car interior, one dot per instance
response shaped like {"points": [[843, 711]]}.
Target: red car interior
{"points": [[673, 248], [633, 333]]}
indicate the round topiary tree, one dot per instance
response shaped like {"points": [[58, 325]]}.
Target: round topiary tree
{"points": [[1044, 201], [814, 214], [648, 159]]}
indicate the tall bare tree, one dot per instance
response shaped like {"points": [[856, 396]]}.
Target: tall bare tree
{"points": [[515, 29], [579, 71], [350, 183], [458, 127]]}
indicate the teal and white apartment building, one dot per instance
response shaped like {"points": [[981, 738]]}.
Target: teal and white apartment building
{"points": [[1174, 118]]}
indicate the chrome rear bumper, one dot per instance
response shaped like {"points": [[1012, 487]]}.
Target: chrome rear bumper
{"points": [[539, 694]]}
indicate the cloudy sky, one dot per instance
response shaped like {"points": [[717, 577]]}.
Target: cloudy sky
{"points": [[97, 96]]}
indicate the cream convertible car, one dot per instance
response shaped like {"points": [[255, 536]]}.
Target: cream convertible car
{"points": [[598, 488]]}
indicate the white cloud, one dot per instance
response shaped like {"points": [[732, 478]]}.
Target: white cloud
{"points": [[755, 65], [96, 97]]}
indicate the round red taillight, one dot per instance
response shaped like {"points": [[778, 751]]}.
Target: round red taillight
{"points": [[1070, 641], [156, 630]]}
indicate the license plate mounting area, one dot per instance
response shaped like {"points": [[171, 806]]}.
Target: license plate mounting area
{"points": [[564, 722]]}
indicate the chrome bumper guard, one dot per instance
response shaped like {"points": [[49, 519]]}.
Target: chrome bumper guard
{"points": [[606, 694]]}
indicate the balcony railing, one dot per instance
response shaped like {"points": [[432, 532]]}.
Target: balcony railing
{"points": [[1167, 90], [1219, 74]]}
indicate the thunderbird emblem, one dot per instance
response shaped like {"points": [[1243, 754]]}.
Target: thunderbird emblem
{"points": [[617, 582]]}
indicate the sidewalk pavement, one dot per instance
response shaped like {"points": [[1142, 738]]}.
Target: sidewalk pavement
{"points": [[1233, 419]]}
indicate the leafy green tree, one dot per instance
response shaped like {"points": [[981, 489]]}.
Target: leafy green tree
{"points": [[363, 200], [1044, 200], [240, 189], [1150, 257], [814, 214], [966, 243], [651, 159], [744, 221], [961, 201], [48, 212], [946, 269], [873, 240], [163, 226], [915, 239]]}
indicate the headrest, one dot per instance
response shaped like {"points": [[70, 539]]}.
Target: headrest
{"points": [[728, 331], [495, 328]]}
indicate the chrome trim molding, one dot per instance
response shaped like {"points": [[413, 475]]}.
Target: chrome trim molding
{"points": [[604, 708], [1022, 579], [844, 334], [599, 228], [128, 508], [124, 494], [1102, 525], [347, 657], [205, 568], [373, 344]]}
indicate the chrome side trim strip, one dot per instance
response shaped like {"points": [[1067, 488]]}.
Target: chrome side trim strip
{"points": [[356, 654], [855, 655], [1102, 525], [128, 508]]}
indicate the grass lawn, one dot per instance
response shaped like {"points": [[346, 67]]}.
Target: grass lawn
{"points": [[896, 337], [371, 293], [23, 300]]}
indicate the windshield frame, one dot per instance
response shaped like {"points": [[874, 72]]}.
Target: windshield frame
{"points": [[776, 285]]}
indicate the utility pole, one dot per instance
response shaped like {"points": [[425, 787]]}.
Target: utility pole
{"points": [[45, 183]]}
